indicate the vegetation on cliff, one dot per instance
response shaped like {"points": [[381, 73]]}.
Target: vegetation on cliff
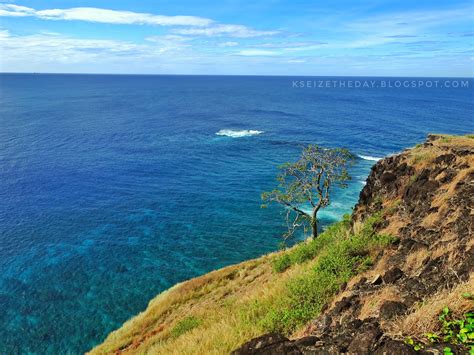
{"points": [[236, 303], [375, 282]]}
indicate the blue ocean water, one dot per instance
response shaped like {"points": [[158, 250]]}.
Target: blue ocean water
{"points": [[114, 188]]}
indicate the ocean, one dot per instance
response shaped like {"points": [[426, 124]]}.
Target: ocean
{"points": [[113, 188]]}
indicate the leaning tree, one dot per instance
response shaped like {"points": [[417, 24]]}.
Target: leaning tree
{"points": [[308, 182]]}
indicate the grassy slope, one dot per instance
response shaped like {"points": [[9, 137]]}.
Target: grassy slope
{"points": [[217, 312]]}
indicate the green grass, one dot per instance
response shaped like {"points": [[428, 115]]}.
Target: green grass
{"points": [[309, 249], [446, 139], [184, 326], [339, 260], [413, 178]]}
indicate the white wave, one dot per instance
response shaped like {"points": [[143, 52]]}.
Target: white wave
{"points": [[238, 134], [368, 157]]}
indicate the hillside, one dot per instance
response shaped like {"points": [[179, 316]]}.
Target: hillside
{"points": [[370, 283]]}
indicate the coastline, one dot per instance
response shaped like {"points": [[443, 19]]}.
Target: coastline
{"points": [[240, 301], [145, 194]]}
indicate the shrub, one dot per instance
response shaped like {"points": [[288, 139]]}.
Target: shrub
{"points": [[457, 331], [453, 331]]}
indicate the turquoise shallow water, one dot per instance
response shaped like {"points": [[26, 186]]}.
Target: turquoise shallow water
{"points": [[114, 188]]}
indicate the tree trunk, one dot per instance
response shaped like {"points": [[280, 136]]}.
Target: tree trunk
{"points": [[314, 221], [314, 227]]}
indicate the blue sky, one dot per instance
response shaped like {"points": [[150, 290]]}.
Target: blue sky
{"points": [[259, 37]]}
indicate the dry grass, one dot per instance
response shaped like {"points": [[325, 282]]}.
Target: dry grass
{"points": [[415, 260], [447, 140], [217, 312], [207, 298], [226, 303], [394, 225], [431, 220], [424, 317], [422, 156], [372, 304], [449, 189], [470, 243]]}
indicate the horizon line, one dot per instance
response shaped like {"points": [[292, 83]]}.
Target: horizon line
{"points": [[242, 75]]}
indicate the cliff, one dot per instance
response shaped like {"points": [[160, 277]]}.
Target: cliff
{"points": [[374, 283]]}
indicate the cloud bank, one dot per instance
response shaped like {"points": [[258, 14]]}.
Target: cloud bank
{"points": [[92, 14], [416, 42], [191, 25]]}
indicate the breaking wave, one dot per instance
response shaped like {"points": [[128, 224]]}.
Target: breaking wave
{"points": [[368, 157], [238, 134]]}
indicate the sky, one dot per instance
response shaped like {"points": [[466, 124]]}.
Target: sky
{"points": [[235, 37]]}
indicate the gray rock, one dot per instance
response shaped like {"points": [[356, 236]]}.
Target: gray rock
{"points": [[392, 275]]}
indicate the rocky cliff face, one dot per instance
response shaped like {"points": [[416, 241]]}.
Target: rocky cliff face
{"points": [[426, 197]]}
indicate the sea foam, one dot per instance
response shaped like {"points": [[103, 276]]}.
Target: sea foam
{"points": [[368, 157], [238, 134]]}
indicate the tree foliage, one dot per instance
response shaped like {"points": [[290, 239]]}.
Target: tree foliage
{"points": [[309, 180]]}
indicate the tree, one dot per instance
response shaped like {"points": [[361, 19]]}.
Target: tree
{"points": [[309, 181]]}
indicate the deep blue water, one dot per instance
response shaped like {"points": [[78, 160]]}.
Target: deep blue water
{"points": [[114, 188]]}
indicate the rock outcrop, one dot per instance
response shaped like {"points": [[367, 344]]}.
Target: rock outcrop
{"points": [[426, 197]]}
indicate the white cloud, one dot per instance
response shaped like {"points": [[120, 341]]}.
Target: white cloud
{"points": [[228, 44], [54, 48], [401, 26], [15, 10], [296, 61], [168, 39], [4, 34], [92, 14], [195, 26], [121, 17], [257, 52], [169, 43], [58, 53], [280, 48], [218, 30], [291, 45], [188, 43]]}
